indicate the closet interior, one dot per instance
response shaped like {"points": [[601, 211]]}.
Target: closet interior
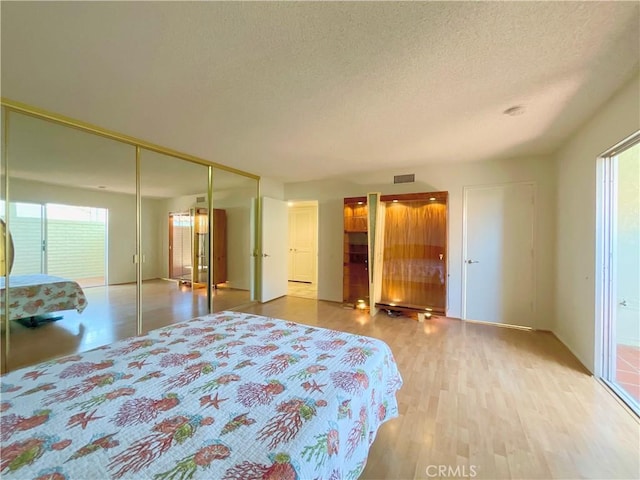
{"points": [[412, 246], [356, 257]]}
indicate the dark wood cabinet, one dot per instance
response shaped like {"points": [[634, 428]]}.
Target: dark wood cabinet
{"points": [[219, 257], [356, 256]]}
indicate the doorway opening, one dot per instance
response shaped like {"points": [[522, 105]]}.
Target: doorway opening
{"points": [[302, 271], [618, 275]]}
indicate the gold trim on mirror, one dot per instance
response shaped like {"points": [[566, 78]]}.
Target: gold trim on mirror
{"points": [[4, 169], [87, 127], [210, 267], [10, 106], [138, 255]]}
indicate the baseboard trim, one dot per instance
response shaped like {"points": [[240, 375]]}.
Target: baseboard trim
{"points": [[502, 325], [618, 398], [577, 357]]}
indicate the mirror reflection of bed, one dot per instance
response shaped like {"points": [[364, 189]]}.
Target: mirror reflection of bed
{"points": [[24, 342], [109, 317], [84, 316]]}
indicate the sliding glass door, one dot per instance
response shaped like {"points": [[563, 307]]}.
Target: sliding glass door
{"points": [[27, 230], [61, 240], [75, 243], [620, 282]]}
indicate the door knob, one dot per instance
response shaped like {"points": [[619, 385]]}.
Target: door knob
{"points": [[266, 255], [623, 303], [472, 261]]}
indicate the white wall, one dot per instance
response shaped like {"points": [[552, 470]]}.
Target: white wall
{"points": [[576, 214], [122, 221], [151, 246], [442, 177], [237, 203], [239, 244], [271, 188]]}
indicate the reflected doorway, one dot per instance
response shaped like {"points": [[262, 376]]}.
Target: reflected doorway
{"points": [[180, 246]]}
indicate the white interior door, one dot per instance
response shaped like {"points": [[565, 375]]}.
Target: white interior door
{"points": [[275, 222], [302, 243], [498, 254]]}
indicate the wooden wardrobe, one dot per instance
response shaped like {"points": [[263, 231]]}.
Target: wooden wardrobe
{"points": [[219, 257], [355, 262], [414, 251]]}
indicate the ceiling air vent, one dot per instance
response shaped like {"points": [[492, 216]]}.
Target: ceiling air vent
{"points": [[201, 199], [409, 178]]}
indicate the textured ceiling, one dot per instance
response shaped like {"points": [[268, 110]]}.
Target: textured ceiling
{"points": [[300, 91]]}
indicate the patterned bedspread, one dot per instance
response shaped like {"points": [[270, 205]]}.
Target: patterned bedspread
{"points": [[225, 396], [31, 295]]}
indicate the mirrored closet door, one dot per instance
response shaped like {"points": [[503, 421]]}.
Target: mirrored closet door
{"points": [[111, 238], [175, 239], [232, 258], [72, 205]]}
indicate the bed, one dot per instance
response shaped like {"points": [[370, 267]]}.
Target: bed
{"points": [[35, 295], [225, 396]]}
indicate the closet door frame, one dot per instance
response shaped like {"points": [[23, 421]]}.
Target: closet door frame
{"points": [[438, 197]]}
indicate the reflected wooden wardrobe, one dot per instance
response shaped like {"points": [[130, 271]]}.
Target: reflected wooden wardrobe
{"points": [[356, 261]]}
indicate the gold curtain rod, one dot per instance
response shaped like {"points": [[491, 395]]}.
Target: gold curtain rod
{"points": [[136, 142]]}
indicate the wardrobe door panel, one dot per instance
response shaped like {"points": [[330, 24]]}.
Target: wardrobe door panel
{"points": [[174, 236], [415, 251], [234, 232], [72, 215]]}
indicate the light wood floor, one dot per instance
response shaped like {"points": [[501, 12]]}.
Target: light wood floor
{"points": [[110, 316], [302, 289], [509, 403], [476, 399]]}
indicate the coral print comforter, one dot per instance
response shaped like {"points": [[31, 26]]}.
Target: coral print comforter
{"points": [[39, 294], [225, 396]]}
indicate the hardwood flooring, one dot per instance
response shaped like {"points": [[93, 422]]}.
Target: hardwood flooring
{"points": [[302, 289], [478, 401], [485, 402], [110, 316]]}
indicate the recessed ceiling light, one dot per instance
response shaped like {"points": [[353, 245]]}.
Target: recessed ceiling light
{"points": [[102, 186], [514, 111], [432, 198], [290, 204], [395, 201], [360, 203]]}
